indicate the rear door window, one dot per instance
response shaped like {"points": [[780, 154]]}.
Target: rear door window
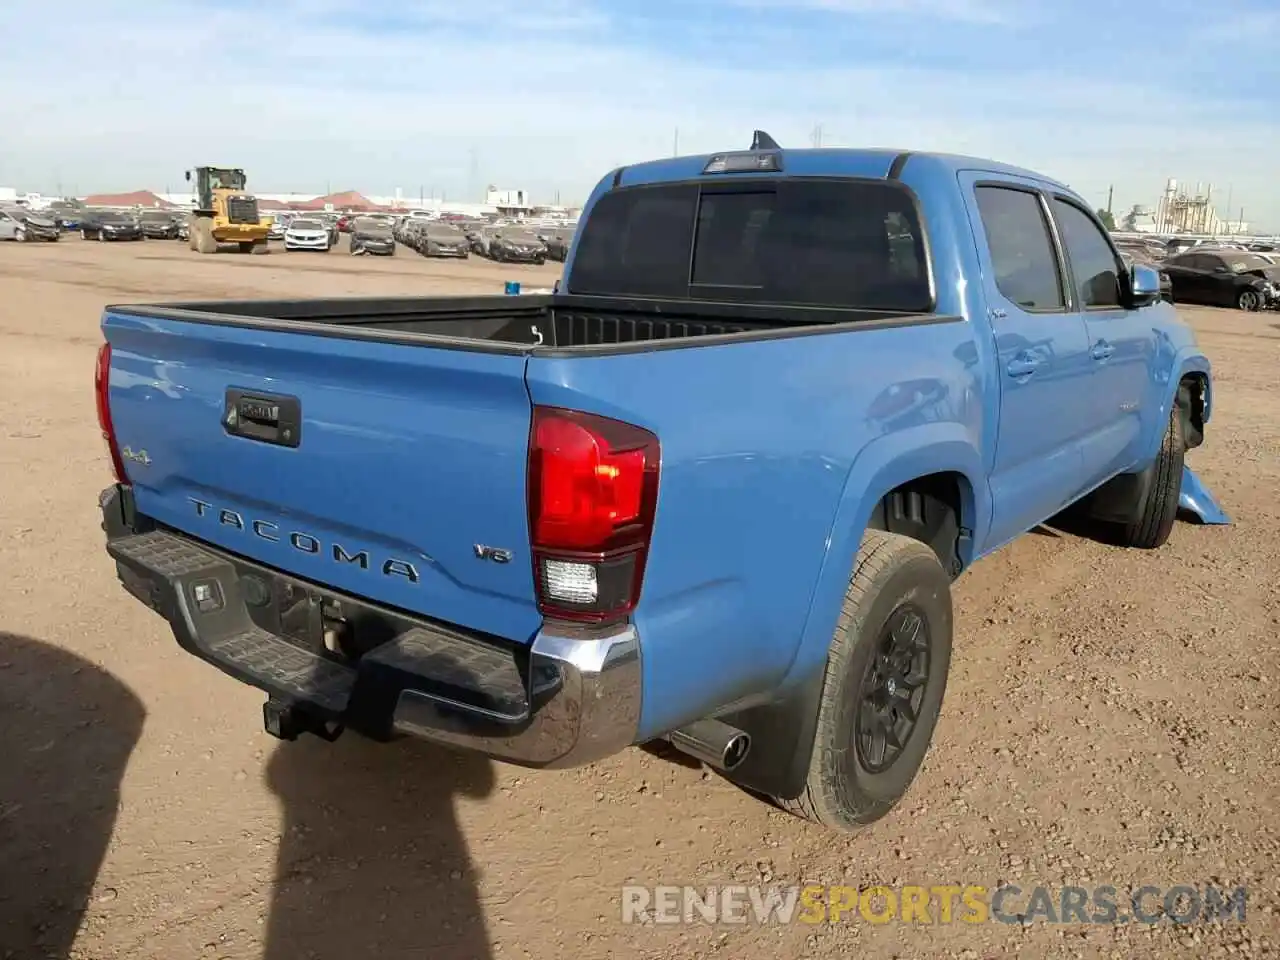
{"points": [[807, 242], [1022, 253]]}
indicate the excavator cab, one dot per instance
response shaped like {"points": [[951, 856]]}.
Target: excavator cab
{"points": [[225, 212]]}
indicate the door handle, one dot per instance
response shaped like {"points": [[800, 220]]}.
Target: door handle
{"points": [[1101, 350], [1023, 366]]}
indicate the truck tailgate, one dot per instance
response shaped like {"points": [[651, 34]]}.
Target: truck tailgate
{"points": [[407, 459]]}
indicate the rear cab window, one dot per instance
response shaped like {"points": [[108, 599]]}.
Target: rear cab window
{"points": [[798, 242]]}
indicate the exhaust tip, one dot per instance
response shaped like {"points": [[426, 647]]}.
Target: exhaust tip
{"points": [[735, 751], [713, 742]]}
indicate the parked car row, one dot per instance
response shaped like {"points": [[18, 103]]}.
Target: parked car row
{"points": [[1210, 272]]}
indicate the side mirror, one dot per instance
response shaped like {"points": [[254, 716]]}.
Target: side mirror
{"points": [[1144, 286]]}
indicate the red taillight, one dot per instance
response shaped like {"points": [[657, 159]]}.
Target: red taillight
{"points": [[593, 490], [101, 392]]}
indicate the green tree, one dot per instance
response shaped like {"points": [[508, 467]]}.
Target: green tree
{"points": [[1107, 219]]}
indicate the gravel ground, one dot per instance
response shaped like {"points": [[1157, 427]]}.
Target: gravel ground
{"points": [[1111, 719]]}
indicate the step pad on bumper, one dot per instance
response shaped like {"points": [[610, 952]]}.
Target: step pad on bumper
{"points": [[173, 574], [287, 668], [199, 591]]}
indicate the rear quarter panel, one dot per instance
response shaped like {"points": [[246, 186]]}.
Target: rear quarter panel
{"points": [[759, 441]]}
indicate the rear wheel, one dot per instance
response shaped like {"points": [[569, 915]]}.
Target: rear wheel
{"points": [[885, 679], [246, 246]]}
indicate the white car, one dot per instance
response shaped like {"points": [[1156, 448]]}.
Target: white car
{"points": [[306, 234]]}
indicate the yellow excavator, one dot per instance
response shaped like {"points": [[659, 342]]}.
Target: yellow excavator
{"points": [[225, 212]]}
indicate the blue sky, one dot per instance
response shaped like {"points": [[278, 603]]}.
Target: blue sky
{"points": [[548, 95]]}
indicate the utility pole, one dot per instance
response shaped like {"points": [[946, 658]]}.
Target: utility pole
{"points": [[1230, 190], [1111, 192], [675, 143], [816, 136]]}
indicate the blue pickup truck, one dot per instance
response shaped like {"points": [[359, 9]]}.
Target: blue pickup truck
{"points": [[712, 491]]}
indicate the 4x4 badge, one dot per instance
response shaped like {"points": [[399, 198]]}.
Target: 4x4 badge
{"points": [[139, 457]]}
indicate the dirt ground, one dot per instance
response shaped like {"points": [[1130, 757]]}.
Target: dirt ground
{"points": [[1112, 718]]}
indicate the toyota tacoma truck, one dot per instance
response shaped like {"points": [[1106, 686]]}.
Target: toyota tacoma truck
{"points": [[712, 491]]}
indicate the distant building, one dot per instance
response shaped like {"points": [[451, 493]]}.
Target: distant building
{"points": [[1180, 210], [508, 202]]}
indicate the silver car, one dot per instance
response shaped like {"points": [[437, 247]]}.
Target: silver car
{"points": [[23, 226], [442, 239]]}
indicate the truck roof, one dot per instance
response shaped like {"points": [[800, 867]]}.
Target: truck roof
{"points": [[826, 161]]}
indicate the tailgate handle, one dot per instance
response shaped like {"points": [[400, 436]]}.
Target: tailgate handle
{"points": [[265, 417]]}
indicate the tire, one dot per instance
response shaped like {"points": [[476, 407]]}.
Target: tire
{"points": [[20, 236], [899, 593], [1249, 300], [102, 237], [84, 234], [1156, 517], [202, 231], [246, 246]]}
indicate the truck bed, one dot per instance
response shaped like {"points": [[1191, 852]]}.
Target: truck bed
{"points": [[510, 324]]}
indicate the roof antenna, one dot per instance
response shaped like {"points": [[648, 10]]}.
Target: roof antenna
{"points": [[762, 141]]}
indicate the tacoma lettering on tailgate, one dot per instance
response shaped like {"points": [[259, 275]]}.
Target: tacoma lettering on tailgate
{"points": [[303, 542]]}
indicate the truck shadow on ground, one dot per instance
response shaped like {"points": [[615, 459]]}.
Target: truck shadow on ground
{"points": [[67, 729], [372, 862]]}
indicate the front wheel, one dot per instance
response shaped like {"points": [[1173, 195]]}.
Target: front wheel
{"points": [[1161, 488], [1249, 300], [885, 679]]}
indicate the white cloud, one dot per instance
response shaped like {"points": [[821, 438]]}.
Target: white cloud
{"points": [[549, 96]]}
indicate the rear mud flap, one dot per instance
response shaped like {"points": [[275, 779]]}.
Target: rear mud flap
{"points": [[1195, 500]]}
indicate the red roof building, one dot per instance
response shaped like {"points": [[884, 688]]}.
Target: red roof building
{"points": [[346, 200], [138, 198]]}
